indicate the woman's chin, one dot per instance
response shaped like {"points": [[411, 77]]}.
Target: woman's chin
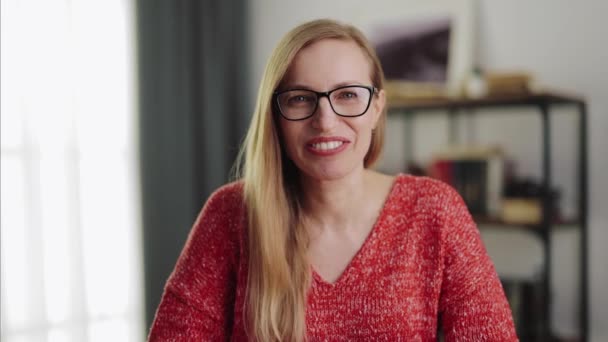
{"points": [[328, 174]]}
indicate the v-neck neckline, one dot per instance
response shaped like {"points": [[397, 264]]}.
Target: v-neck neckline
{"points": [[371, 237]]}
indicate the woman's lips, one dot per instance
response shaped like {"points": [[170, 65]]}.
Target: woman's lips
{"points": [[327, 146]]}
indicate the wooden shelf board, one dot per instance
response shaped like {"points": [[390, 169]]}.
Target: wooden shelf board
{"points": [[507, 100]]}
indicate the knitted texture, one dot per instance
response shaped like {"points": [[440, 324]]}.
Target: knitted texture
{"points": [[423, 266]]}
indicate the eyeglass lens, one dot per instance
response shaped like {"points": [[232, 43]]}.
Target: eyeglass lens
{"points": [[347, 101]]}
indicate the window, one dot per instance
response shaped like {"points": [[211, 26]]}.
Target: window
{"points": [[71, 238]]}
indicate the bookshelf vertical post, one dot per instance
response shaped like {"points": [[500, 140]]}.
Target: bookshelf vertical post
{"points": [[582, 216], [547, 217]]}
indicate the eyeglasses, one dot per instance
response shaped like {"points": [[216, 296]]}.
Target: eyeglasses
{"points": [[348, 101]]}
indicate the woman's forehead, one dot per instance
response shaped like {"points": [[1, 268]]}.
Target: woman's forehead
{"points": [[328, 63]]}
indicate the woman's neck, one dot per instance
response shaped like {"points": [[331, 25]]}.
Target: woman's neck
{"points": [[337, 204]]}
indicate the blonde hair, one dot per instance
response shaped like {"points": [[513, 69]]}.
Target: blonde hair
{"points": [[279, 273]]}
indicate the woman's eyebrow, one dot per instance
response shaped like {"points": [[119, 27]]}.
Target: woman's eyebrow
{"points": [[296, 86], [342, 84], [337, 85]]}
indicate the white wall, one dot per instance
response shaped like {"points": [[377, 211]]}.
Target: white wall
{"points": [[563, 43]]}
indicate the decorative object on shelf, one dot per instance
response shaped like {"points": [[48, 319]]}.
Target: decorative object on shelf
{"points": [[522, 203], [407, 91], [475, 86], [527, 211], [509, 83]]}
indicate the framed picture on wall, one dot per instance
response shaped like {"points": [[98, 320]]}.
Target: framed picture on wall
{"points": [[426, 48]]}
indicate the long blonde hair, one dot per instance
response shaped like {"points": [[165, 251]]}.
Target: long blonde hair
{"points": [[279, 273]]}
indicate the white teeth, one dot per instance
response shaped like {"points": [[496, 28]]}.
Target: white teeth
{"points": [[324, 146]]}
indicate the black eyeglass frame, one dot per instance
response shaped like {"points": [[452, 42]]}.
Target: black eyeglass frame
{"points": [[319, 94]]}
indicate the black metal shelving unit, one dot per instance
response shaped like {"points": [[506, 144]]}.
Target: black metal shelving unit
{"points": [[544, 102]]}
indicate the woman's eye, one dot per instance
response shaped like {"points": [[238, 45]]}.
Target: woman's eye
{"points": [[347, 95], [300, 99]]}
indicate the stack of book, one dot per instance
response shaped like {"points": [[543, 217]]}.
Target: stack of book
{"points": [[508, 83], [477, 173]]}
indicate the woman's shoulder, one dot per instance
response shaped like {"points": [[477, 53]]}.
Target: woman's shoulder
{"points": [[422, 194], [227, 199], [229, 191], [429, 197], [422, 186]]}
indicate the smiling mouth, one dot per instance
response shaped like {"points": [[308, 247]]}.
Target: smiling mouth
{"points": [[327, 146]]}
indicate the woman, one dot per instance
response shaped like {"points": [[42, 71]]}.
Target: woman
{"points": [[313, 245]]}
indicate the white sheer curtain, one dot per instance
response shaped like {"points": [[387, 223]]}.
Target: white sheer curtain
{"points": [[71, 238]]}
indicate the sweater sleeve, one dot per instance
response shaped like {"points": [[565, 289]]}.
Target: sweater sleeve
{"points": [[473, 305], [198, 300]]}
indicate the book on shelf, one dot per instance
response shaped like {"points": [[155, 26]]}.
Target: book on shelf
{"points": [[477, 173]]}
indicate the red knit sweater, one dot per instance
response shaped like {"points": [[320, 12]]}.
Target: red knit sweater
{"points": [[423, 265]]}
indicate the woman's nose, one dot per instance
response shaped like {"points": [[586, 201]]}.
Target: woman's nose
{"points": [[324, 118]]}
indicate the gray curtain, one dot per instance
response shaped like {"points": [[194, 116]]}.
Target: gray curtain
{"points": [[192, 58]]}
